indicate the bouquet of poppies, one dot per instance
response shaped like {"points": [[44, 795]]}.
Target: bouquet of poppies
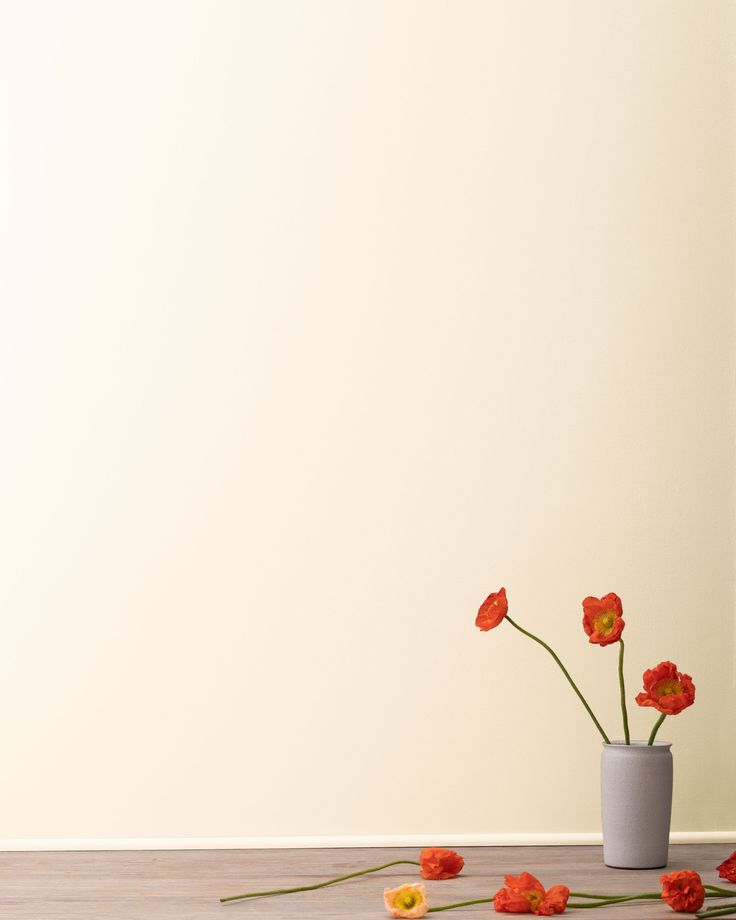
{"points": [[666, 688]]}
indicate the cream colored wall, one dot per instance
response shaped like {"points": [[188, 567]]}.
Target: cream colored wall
{"points": [[319, 321]]}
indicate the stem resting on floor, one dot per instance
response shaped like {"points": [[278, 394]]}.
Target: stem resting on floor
{"points": [[332, 881]]}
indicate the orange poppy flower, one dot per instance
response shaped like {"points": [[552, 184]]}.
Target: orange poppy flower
{"points": [[525, 894], [436, 863], [666, 689], [409, 901], [683, 891], [602, 619], [727, 868], [493, 609]]}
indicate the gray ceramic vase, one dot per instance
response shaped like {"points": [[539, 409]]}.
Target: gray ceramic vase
{"points": [[636, 804]]}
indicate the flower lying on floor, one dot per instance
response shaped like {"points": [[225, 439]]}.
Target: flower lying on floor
{"points": [[727, 868], [406, 901], [683, 891], [525, 894], [434, 863]]}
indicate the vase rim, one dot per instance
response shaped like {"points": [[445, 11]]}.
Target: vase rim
{"points": [[637, 745]]}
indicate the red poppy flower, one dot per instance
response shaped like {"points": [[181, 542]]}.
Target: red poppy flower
{"points": [[493, 609], [683, 891], [727, 868], [525, 894], [667, 689], [436, 863], [602, 619]]}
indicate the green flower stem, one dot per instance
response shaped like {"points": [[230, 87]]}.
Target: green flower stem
{"points": [[722, 911], [566, 673], [624, 713], [659, 721], [594, 897], [722, 892], [617, 900], [648, 896], [717, 894], [332, 881], [460, 904]]}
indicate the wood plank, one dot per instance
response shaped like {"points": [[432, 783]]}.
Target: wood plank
{"points": [[186, 885]]}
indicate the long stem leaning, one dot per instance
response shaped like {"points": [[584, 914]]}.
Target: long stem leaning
{"points": [[659, 721], [332, 881], [566, 673], [624, 713]]}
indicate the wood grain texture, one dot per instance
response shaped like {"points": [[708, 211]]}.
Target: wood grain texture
{"points": [[186, 885]]}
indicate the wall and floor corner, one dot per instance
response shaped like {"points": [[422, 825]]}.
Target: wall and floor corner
{"points": [[318, 322]]}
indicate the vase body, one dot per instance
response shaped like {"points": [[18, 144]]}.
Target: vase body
{"points": [[636, 804]]}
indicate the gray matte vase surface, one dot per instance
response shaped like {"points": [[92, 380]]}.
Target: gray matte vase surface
{"points": [[636, 804]]}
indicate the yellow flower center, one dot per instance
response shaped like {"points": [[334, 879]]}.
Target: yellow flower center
{"points": [[668, 687], [408, 901], [533, 897], [605, 622]]}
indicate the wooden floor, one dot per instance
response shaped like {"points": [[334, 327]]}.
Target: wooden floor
{"points": [[186, 885]]}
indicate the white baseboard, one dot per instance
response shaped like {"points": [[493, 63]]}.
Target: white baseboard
{"points": [[37, 844]]}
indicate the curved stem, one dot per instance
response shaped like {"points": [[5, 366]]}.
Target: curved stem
{"points": [[624, 713], [659, 721], [722, 892], [332, 881], [718, 911], [566, 673], [460, 904]]}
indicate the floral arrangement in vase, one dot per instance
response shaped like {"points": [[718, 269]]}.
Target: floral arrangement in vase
{"points": [[636, 776]]}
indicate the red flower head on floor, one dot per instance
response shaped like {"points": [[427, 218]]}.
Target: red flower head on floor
{"points": [[666, 689], [683, 891], [493, 609], [525, 894], [727, 868], [436, 863], [602, 619]]}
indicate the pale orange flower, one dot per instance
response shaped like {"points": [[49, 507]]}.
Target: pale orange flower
{"points": [[407, 901]]}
